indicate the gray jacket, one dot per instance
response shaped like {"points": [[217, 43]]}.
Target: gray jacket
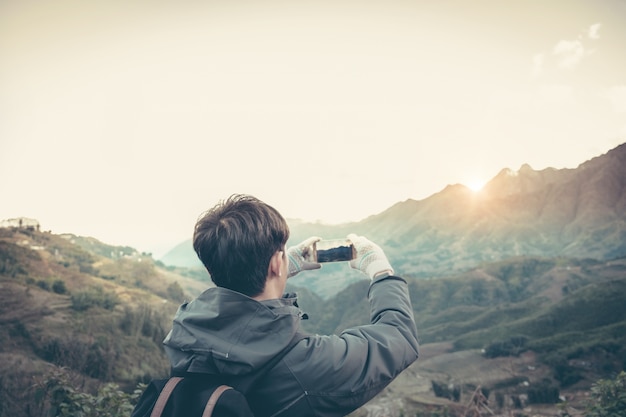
{"points": [[225, 332]]}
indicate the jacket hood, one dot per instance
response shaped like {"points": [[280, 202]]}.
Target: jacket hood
{"points": [[225, 332]]}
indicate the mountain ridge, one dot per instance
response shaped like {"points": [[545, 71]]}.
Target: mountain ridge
{"points": [[574, 212], [99, 313]]}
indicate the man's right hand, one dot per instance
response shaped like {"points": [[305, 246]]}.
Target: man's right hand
{"points": [[370, 258]]}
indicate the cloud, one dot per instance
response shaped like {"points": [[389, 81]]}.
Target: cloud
{"points": [[592, 32], [569, 53]]}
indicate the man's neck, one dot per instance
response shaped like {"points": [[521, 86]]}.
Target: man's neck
{"points": [[274, 288]]}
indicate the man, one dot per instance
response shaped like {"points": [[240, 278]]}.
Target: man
{"points": [[237, 327]]}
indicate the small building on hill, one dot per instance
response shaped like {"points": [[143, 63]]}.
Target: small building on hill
{"points": [[21, 223]]}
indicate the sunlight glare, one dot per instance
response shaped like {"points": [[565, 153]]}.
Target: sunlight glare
{"points": [[475, 185]]}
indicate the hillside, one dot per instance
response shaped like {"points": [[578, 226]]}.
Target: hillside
{"points": [[98, 313], [518, 290], [518, 329], [578, 213]]}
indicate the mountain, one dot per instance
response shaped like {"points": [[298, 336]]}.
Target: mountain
{"points": [[552, 212], [75, 305], [76, 313], [182, 255], [569, 212]]}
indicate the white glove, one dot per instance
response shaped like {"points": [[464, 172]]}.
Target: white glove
{"points": [[370, 258], [297, 255]]}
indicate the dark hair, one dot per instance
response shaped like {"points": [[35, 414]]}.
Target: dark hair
{"points": [[236, 239]]}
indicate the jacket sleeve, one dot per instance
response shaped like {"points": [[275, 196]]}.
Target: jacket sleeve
{"points": [[341, 373]]}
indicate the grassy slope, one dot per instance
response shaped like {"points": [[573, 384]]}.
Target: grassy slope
{"points": [[570, 316], [100, 318], [570, 312]]}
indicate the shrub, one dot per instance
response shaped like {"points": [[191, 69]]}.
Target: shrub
{"points": [[500, 399], [66, 400], [19, 330], [175, 292], [608, 397], [59, 287], [94, 297], [142, 320], [566, 374], [442, 390], [543, 393], [44, 285], [96, 359], [512, 347]]}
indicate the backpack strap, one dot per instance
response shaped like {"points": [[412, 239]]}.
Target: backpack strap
{"points": [[159, 406], [210, 405], [244, 385]]}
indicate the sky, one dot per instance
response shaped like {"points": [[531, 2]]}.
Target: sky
{"points": [[125, 120]]}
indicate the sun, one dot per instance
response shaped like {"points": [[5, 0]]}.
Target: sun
{"points": [[475, 185]]}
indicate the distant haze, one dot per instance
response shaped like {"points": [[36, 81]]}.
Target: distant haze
{"points": [[124, 120], [568, 213]]}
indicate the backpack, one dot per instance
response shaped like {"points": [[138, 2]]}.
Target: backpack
{"points": [[199, 395], [191, 396]]}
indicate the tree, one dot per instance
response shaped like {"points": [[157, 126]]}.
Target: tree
{"points": [[608, 397], [64, 399], [543, 393], [59, 287], [175, 292]]}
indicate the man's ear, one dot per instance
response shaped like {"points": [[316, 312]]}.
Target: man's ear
{"points": [[275, 264]]}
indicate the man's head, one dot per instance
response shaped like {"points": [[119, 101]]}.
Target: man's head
{"points": [[235, 241]]}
